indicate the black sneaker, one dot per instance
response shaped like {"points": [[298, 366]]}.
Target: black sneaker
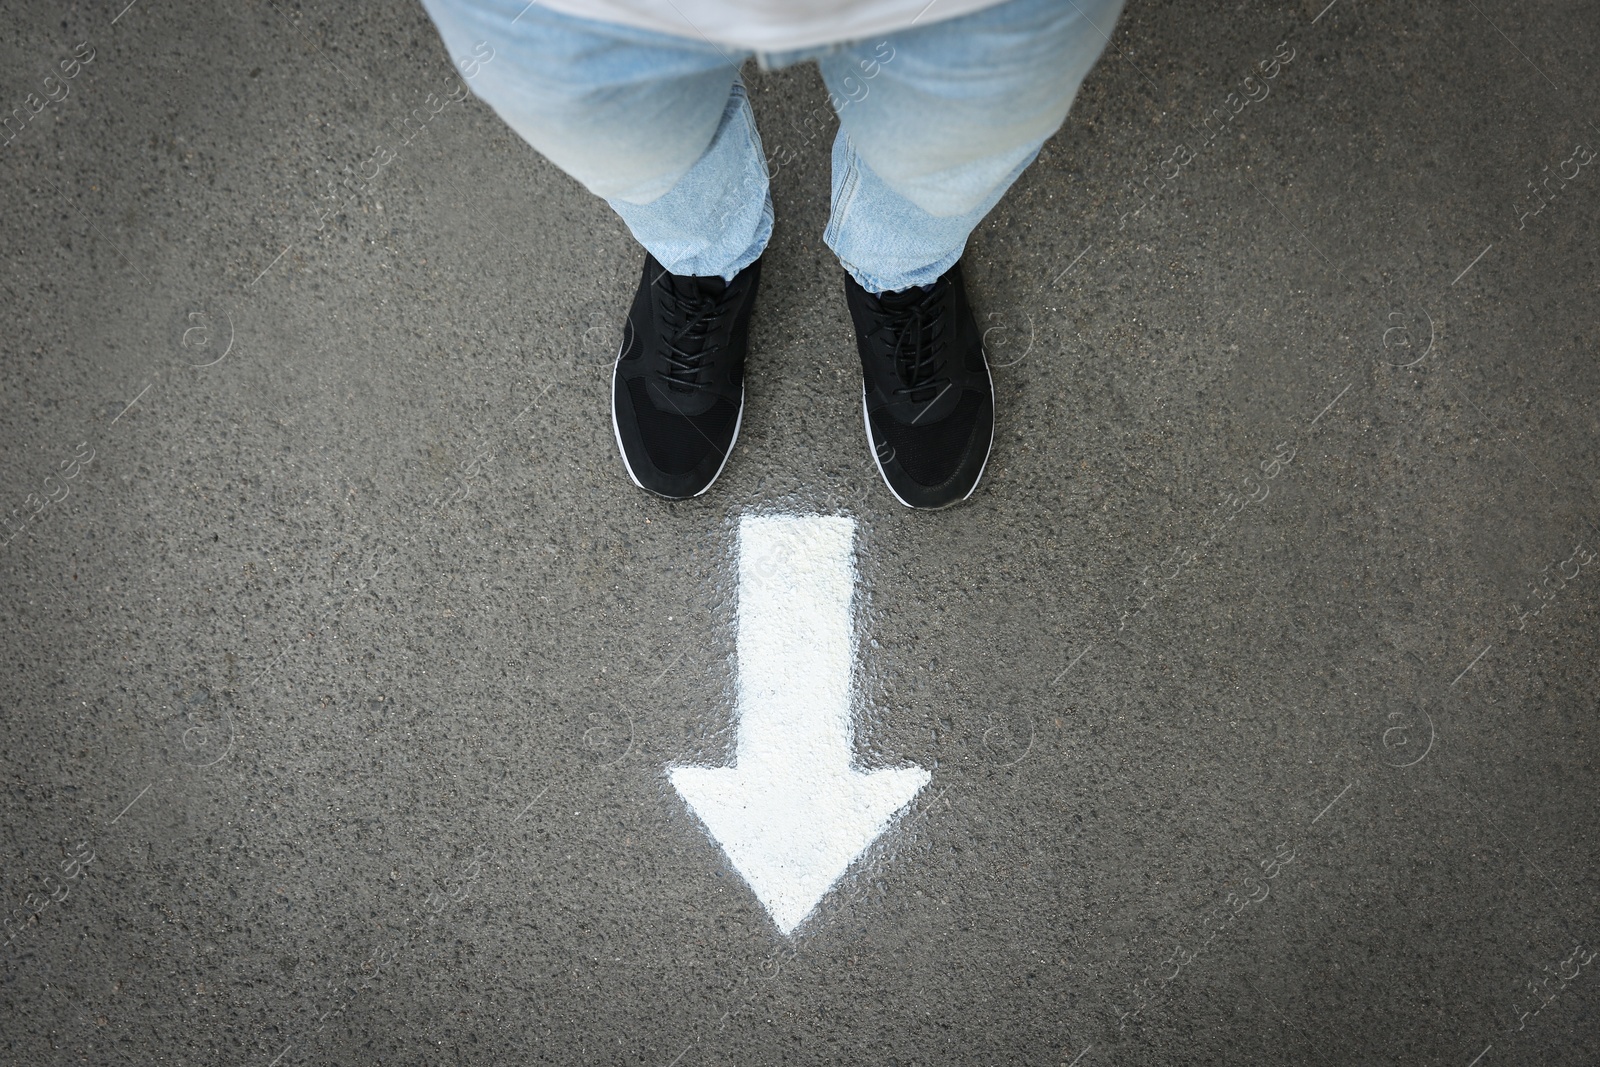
{"points": [[677, 390], [927, 401]]}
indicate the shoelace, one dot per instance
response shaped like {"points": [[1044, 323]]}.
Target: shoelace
{"points": [[693, 314], [915, 332]]}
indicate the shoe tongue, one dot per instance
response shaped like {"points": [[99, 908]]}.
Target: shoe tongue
{"points": [[685, 285], [903, 299], [685, 295], [682, 291]]}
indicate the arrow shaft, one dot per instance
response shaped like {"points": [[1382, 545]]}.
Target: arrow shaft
{"points": [[796, 645]]}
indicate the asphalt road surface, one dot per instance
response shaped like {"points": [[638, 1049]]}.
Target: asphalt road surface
{"points": [[1247, 709]]}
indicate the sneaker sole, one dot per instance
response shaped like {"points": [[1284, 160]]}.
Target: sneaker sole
{"points": [[866, 423], [616, 431]]}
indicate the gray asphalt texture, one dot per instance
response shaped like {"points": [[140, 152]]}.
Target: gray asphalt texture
{"points": [[343, 664]]}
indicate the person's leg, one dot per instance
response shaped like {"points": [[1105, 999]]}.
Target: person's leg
{"points": [[659, 126], [937, 122]]}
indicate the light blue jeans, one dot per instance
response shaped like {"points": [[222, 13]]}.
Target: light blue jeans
{"points": [[935, 123]]}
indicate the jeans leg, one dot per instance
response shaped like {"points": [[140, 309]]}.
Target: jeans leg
{"points": [[717, 218], [659, 126], [937, 122], [886, 241]]}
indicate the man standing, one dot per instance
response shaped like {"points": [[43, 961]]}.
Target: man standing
{"points": [[941, 106]]}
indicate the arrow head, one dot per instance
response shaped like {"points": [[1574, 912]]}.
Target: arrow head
{"points": [[792, 834]]}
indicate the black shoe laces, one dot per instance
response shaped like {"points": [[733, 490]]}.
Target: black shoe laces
{"points": [[692, 313], [914, 326]]}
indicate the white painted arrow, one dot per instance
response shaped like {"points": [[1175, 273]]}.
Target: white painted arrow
{"points": [[792, 814]]}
